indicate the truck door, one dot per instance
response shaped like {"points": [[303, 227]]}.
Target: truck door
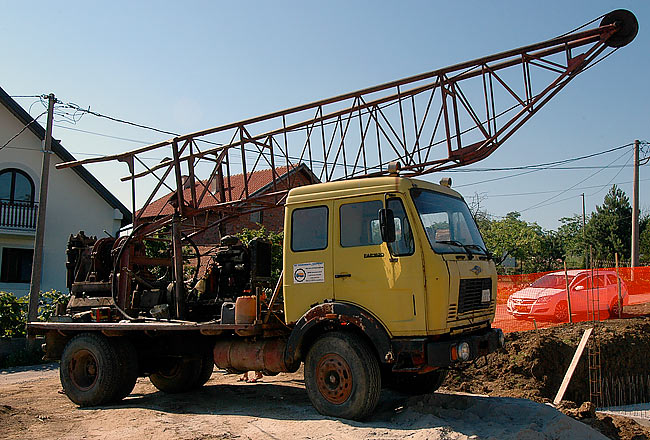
{"points": [[388, 281], [307, 258]]}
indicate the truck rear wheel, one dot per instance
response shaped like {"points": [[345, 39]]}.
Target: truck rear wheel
{"points": [[90, 370], [207, 367], [417, 384], [342, 376], [128, 366], [177, 375]]}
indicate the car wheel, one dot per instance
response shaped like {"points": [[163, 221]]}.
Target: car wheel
{"points": [[561, 313], [613, 308]]}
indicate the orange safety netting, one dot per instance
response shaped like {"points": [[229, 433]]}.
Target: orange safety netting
{"points": [[540, 299]]}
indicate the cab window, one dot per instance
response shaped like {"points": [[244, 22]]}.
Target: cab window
{"points": [[404, 243], [309, 229], [359, 226]]}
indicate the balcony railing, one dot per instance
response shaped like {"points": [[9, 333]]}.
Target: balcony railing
{"points": [[18, 215]]}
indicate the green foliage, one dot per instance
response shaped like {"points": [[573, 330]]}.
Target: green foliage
{"points": [[48, 303], [644, 239], [608, 229], [246, 235], [13, 311], [13, 315]]}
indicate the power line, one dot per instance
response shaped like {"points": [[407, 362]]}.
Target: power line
{"points": [[532, 193], [23, 129], [541, 204]]}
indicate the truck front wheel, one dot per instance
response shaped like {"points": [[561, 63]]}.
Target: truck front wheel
{"points": [[416, 384], [177, 374], [89, 370], [342, 376]]}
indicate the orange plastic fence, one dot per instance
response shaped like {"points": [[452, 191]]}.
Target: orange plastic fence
{"points": [[540, 299]]}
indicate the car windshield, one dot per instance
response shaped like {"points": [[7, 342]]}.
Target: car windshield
{"points": [[449, 225], [551, 282]]}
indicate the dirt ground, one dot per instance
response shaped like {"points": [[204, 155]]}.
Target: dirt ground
{"points": [[520, 380], [277, 408], [533, 364]]}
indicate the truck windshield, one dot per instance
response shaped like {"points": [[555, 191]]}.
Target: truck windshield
{"points": [[449, 225]]}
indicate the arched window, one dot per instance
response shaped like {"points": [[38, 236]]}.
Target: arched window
{"points": [[16, 186]]}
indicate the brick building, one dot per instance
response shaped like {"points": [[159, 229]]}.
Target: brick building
{"points": [[259, 183]]}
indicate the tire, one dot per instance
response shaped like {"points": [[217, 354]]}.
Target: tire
{"points": [[205, 373], [561, 313], [613, 309], [342, 376], [177, 375], [417, 384], [90, 370], [128, 365]]}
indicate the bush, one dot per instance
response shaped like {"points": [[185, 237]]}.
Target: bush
{"points": [[13, 315], [13, 311]]}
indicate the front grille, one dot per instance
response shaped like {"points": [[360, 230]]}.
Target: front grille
{"points": [[469, 296]]}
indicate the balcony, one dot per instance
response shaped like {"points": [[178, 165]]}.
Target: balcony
{"points": [[18, 216]]}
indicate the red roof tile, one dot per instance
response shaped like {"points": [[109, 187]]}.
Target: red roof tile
{"points": [[257, 181]]}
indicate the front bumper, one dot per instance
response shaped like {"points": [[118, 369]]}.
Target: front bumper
{"points": [[445, 353]]}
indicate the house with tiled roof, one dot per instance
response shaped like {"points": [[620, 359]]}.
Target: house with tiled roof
{"points": [[259, 183], [76, 201]]}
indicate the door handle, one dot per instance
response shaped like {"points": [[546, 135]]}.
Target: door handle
{"points": [[343, 275]]}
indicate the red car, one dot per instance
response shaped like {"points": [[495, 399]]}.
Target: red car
{"points": [[546, 298]]}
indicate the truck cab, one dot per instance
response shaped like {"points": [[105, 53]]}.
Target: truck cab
{"points": [[435, 277]]}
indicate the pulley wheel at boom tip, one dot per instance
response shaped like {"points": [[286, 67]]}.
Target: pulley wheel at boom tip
{"points": [[627, 24]]}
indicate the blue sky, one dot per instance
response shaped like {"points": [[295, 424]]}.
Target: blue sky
{"points": [[186, 66]]}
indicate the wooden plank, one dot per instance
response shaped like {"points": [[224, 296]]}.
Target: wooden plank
{"points": [[572, 366]]}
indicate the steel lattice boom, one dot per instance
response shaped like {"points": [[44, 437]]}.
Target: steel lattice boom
{"points": [[430, 122]]}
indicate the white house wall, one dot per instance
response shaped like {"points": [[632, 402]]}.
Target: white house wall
{"points": [[72, 205]]}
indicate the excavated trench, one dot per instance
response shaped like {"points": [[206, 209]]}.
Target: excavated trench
{"points": [[533, 364]]}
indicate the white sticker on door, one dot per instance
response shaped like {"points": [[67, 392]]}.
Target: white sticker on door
{"points": [[308, 273]]}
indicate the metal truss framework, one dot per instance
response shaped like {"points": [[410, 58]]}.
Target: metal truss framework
{"points": [[430, 122]]}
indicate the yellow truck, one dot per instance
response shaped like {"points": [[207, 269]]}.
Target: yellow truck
{"points": [[387, 283]]}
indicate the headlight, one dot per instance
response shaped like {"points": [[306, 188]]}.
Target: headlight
{"points": [[543, 299], [463, 351]]}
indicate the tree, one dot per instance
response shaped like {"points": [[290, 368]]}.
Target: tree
{"points": [[644, 239], [570, 234], [512, 237], [609, 228]]}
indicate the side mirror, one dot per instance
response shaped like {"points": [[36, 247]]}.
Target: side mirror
{"points": [[387, 225]]}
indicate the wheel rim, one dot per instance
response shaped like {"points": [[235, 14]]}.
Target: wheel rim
{"points": [[334, 378], [83, 369], [171, 369], [561, 312]]}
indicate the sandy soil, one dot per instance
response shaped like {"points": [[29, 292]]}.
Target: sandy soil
{"points": [[278, 408]]}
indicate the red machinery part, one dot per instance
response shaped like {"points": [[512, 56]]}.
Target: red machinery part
{"points": [[265, 354]]}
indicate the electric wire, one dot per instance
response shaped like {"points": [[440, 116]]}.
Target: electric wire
{"points": [[25, 127], [541, 204]]}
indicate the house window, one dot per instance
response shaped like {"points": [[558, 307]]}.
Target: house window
{"points": [[16, 186], [256, 217], [16, 265]]}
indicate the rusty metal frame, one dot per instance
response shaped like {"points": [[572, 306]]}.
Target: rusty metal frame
{"points": [[468, 109]]}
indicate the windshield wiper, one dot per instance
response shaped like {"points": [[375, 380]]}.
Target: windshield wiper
{"points": [[466, 247], [482, 249]]}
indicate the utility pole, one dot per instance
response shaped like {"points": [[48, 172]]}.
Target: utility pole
{"points": [[37, 262], [635, 208], [584, 237]]}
